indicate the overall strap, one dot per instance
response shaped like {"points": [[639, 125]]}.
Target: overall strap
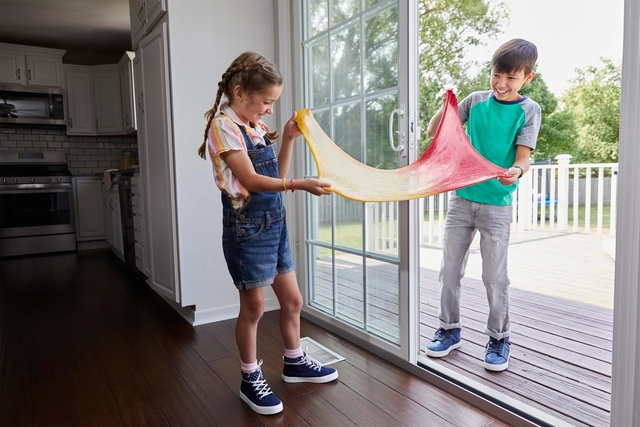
{"points": [[247, 140]]}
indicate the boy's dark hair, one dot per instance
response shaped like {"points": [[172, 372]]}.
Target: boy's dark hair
{"points": [[515, 55], [253, 73]]}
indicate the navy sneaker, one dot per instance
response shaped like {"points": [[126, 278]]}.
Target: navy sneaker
{"points": [[303, 369], [256, 393], [497, 354], [443, 342]]}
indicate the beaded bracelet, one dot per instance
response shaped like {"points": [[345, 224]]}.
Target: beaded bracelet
{"points": [[293, 190]]}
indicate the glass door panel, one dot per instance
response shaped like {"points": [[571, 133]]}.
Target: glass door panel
{"points": [[353, 82]]}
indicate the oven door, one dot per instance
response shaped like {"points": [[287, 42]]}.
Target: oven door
{"points": [[36, 209]]}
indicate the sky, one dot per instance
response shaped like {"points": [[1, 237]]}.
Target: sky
{"points": [[569, 34]]}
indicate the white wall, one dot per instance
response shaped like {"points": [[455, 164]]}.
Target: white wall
{"points": [[205, 36]]}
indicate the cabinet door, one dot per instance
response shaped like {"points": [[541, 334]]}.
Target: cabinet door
{"points": [[44, 71], [79, 102], [107, 102], [154, 10], [89, 209], [12, 68], [137, 16], [127, 93], [155, 145]]}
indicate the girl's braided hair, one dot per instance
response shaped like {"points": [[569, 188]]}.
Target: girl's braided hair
{"points": [[253, 73]]}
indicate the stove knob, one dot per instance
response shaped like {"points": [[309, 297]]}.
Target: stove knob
{"points": [[59, 179], [33, 180], [4, 180], [48, 179], [15, 180]]}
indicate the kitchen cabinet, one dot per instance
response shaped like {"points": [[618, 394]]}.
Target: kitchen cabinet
{"points": [[155, 146], [127, 90], [90, 222], [107, 99], [144, 14], [79, 100], [27, 65], [94, 100]]}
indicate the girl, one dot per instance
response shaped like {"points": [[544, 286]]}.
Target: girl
{"points": [[254, 238]]}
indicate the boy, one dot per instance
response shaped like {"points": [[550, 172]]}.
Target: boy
{"points": [[503, 126]]}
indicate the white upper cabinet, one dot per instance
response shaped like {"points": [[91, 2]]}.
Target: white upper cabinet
{"points": [[26, 65], [144, 14], [79, 100], [94, 100], [127, 91], [107, 99]]}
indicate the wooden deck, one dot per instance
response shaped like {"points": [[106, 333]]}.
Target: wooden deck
{"points": [[561, 300], [562, 323]]}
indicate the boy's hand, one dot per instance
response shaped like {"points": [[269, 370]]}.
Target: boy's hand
{"points": [[313, 186], [510, 177], [291, 129]]}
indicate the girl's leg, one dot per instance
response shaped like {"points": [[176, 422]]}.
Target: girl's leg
{"points": [[251, 309], [286, 289]]}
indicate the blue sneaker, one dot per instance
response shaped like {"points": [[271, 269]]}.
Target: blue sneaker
{"points": [[305, 370], [256, 393], [443, 342], [497, 354]]}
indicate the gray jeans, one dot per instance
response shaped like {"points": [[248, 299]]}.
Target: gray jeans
{"points": [[493, 222]]}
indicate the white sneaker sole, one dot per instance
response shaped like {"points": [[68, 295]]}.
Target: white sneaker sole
{"points": [[497, 368], [432, 353], [317, 380], [262, 410]]}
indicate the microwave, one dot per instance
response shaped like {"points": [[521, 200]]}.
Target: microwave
{"points": [[31, 105]]}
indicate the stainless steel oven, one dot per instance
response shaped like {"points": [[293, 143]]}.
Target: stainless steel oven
{"points": [[37, 212]]}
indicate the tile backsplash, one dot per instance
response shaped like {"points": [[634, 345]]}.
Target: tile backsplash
{"points": [[87, 155]]}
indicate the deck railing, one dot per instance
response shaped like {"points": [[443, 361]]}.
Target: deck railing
{"points": [[557, 196]]}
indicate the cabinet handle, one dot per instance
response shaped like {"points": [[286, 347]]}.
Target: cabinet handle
{"points": [[141, 14], [97, 124], [71, 122], [29, 74], [140, 102], [138, 258], [135, 230], [18, 74], [126, 119]]}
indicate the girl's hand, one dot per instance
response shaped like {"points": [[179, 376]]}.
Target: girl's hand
{"points": [[291, 129], [313, 186]]}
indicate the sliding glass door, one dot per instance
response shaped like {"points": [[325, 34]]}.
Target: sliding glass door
{"points": [[357, 58]]}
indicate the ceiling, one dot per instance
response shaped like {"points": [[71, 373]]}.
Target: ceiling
{"points": [[92, 31]]}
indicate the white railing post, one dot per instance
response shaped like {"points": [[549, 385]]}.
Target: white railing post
{"points": [[524, 202], [421, 220], [563, 190], [372, 230]]}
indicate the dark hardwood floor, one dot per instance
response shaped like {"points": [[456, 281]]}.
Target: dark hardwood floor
{"points": [[84, 341]]}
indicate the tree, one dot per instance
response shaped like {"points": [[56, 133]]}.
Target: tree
{"points": [[447, 28], [594, 102]]}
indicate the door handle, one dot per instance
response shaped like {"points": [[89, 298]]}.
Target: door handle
{"points": [[401, 134]]}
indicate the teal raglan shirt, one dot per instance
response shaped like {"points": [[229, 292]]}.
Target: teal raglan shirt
{"points": [[495, 128]]}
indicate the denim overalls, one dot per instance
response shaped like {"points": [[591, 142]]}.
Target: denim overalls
{"points": [[255, 241]]}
